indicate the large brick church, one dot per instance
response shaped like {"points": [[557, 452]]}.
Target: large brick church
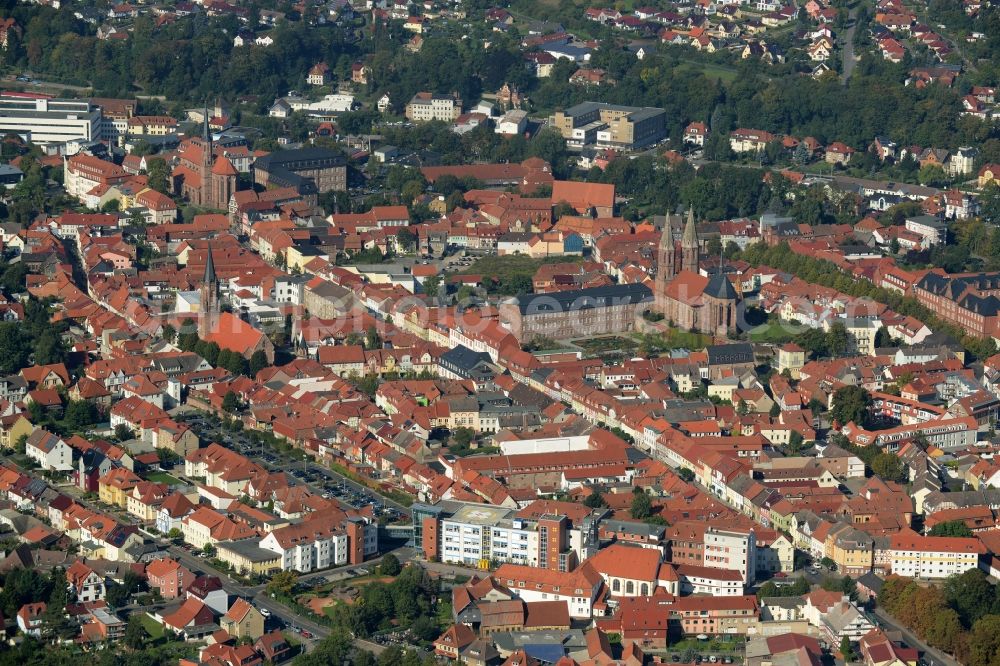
{"points": [[203, 178], [686, 298]]}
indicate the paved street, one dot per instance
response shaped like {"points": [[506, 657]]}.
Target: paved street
{"points": [[849, 59]]}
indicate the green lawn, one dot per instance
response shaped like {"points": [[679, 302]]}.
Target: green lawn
{"points": [[163, 477], [152, 627], [671, 338], [712, 71], [512, 273], [773, 332]]}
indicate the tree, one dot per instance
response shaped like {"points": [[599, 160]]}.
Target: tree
{"points": [[767, 590], [932, 175], [984, 641], [642, 505], [838, 340], [594, 500], [971, 594], [989, 200], [889, 467], [80, 414], [282, 584], [390, 565], [795, 442], [462, 437], [431, 284], [686, 474], [135, 634], [372, 339], [123, 432], [169, 333], [55, 623], [117, 595], [158, 174], [405, 239], [230, 403], [847, 650], [258, 361], [850, 405], [951, 528], [232, 361], [21, 586]]}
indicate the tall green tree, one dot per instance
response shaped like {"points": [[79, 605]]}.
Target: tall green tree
{"points": [[850, 404], [642, 505]]}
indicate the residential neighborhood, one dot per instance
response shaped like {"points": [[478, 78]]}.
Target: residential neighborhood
{"points": [[530, 334]]}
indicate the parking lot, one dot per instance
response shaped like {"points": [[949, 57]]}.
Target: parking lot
{"points": [[318, 479]]}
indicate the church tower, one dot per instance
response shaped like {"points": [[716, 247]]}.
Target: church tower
{"points": [[205, 168], [689, 245], [209, 293], [666, 263]]}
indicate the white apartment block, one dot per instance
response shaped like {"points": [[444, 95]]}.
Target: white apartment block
{"points": [[305, 555], [468, 543], [475, 534], [917, 556], [733, 550]]}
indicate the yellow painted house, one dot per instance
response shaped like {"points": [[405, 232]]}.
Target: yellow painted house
{"points": [[852, 549], [113, 488], [12, 428], [243, 621], [144, 500]]}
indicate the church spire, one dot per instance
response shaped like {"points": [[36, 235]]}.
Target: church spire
{"points": [[209, 298], [689, 245], [210, 277], [690, 231]]}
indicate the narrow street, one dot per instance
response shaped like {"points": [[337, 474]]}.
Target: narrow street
{"points": [[849, 59]]}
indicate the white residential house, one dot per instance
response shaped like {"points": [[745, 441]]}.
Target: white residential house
{"points": [[50, 452]]}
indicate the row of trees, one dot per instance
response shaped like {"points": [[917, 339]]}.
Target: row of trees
{"points": [[961, 617], [827, 274], [216, 356]]}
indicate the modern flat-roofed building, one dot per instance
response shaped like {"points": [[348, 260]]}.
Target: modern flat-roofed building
{"points": [[45, 121], [552, 537], [610, 125]]}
